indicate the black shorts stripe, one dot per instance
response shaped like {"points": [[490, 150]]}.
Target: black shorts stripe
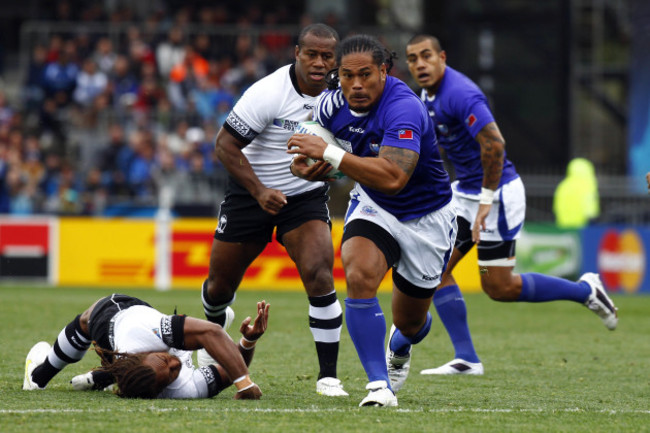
{"points": [[369, 230], [411, 289]]}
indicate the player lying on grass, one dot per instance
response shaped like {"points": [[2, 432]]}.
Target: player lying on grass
{"points": [[148, 353]]}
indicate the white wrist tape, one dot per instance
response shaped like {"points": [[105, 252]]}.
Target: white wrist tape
{"points": [[247, 344], [333, 155], [247, 387], [486, 197]]}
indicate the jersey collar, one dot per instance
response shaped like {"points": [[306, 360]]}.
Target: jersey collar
{"points": [[294, 79]]}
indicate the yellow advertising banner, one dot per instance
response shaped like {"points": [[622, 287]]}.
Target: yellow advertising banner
{"points": [[121, 253], [106, 252]]}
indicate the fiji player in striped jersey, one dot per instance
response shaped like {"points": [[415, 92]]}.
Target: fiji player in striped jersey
{"points": [[263, 196], [400, 214], [491, 204]]}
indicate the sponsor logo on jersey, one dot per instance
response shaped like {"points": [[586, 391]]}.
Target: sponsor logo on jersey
{"points": [[405, 134], [223, 220], [345, 144], [368, 210], [430, 277], [356, 130], [308, 107], [471, 120], [621, 260], [289, 125]]}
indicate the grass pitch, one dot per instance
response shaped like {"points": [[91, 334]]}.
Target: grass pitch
{"points": [[549, 367]]}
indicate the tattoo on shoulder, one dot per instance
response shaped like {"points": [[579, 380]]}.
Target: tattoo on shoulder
{"points": [[406, 159]]}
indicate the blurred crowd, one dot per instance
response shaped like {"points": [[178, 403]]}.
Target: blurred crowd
{"points": [[109, 117]]}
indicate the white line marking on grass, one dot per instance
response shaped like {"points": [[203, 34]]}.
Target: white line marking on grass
{"points": [[321, 410]]}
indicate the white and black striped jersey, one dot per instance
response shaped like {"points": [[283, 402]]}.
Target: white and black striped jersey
{"points": [[266, 117]]}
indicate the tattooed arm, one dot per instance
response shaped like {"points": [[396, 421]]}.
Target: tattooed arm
{"points": [[388, 173], [492, 148]]}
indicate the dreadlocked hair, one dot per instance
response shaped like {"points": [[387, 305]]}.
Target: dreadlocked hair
{"points": [[360, 44], [133, 378]]}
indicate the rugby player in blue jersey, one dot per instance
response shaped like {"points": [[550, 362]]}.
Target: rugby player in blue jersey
{"points": [[491, 204], [400, 214]]}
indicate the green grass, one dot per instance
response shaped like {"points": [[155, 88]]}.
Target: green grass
{"points": [[549, 367]]}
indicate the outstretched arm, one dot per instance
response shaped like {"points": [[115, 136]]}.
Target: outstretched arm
{"points": [[492, 150], [247, 390], [252, 333]]}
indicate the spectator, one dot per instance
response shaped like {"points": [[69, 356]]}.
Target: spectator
{"points": [[104, 55], [60, 78], [576, 200], [139, 174], [171, 51], [33, 92], [185, 76], [90, 83], [123, 84]]}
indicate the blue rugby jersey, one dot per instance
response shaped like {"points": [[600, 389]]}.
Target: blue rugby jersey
{"points": [[398, 119], [459, 111]]}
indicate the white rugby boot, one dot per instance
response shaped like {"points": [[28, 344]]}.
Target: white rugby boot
{"points": [[379, 395], [599, 302], [202, 356], [398, 365], [330, 387], [456, 366], [35, 357]]}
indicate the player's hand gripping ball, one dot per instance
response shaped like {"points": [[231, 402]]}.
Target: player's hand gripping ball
{"points": [[314, 128]]}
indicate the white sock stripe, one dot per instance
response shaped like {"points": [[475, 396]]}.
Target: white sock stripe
{"points": [[68, 350], [56, 361], [326, 335], [332, 311]]}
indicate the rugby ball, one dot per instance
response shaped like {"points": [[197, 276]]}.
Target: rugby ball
{"points": [[314, 128]]}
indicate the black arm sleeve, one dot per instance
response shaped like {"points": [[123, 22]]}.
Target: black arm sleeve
{"points": [[171, 330]]}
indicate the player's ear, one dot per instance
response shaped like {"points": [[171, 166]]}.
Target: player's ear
{"points": [[443, 55], [297, 50], [382, 72]]}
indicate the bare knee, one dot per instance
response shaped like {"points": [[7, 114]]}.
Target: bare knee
{"points": [[361, 284], [408, 326], [501, 289], [317, 278], [219, 291]]}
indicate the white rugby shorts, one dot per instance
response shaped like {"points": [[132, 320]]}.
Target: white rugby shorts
{"points": [[425, 242], [506, 217]]}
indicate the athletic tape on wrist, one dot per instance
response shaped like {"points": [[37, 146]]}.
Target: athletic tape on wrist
{"points": [[247, 344], [243, 382], [333, 155], [486, 197]]}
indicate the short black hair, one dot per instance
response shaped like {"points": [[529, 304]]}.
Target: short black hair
{"points": [[319, 30], [424, 37], [361, 44]]}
